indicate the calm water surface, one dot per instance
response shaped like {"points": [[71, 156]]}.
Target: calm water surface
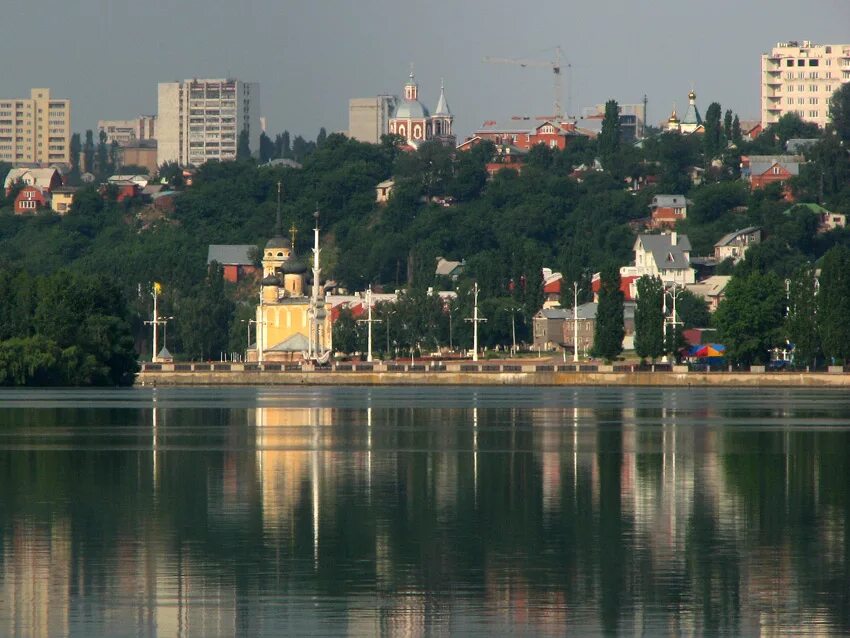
{"points": [[424, 511]]}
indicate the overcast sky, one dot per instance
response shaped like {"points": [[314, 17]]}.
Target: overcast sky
{"points": [[311, 56]]}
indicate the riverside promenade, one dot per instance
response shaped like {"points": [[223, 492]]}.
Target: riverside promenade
{"points": [[481, 373]]}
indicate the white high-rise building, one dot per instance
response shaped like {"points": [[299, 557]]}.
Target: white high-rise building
{"points": [[200, 120], [800, 77]]}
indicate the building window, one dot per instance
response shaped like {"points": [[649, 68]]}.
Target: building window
{"points": [[813, 62], [801, 63], [789, 62]]}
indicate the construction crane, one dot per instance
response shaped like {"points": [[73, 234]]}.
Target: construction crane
{"points": [[555, 65]]}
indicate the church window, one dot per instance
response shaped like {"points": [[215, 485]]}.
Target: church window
{"points": [[417, 132]]}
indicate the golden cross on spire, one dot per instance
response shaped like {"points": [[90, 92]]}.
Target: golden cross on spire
{"points": [[292, 232]]}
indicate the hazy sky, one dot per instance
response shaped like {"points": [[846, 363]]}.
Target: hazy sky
{"points": [[310, 57]]}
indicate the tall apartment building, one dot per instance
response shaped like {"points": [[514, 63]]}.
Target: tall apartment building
{"points": [[35, 130], [128, 131], [200, 120], [369, 117], [800, 77]]}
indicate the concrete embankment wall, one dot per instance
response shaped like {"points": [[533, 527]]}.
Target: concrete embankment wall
{"points": [[642, 378]]}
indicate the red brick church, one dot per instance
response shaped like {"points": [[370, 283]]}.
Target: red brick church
{"points": [[412, 120]]}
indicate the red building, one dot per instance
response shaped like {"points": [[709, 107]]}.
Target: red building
{"points": [[236, 260], [667, 210], [523, 133], [412, 120], [30, 199], [761, 170], [126, 190]]}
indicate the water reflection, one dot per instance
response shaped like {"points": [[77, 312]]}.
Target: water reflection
{"points": [[411, 511]]}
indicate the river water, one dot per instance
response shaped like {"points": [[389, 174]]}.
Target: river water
{"points": [[422, 511]]}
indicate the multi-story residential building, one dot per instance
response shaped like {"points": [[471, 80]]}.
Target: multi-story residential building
{"points": [[35, 130], [200, 120], [800, 77], [128, 131], [369, 117]]}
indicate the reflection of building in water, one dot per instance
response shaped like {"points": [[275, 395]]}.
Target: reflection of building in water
{"points": [[662, 494], [288, 442], [565, 439], [35, 584]]}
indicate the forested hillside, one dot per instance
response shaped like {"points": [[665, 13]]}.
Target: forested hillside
{"points": [[506, 228]]}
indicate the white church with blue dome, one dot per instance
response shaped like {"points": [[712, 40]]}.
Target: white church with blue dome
{"points": [[412, 120]]}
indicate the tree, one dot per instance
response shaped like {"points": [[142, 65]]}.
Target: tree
{"points": [[801, 323], [267, 148], [114, 157], [321, 137], [609, 332], [649, 318], [345, 333], [692, 311], [839, 112], [736, 130], [88, 151], [834, 304], [609, 136], [243, 148], [75, 149], [102, 155], [749, 319], [203, 319], [171, 174], [712, 140], [727, 124], [281, 143]]}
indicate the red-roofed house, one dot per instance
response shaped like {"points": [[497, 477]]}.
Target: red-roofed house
{"points": [[667, 210], [30, 199], [761, 170], [627, 286], [552, 282], [523, 133]]}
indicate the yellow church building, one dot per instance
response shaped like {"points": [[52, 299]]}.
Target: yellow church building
{"points": [[293, 320]]}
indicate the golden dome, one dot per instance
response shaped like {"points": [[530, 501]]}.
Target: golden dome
{"points": [[691, 95], [673, 119]]}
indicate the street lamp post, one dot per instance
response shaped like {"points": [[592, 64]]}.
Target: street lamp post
{"points": [[369, 321], [673, 320], [248, 323], [575, 322], [156, 321], [513, 310], [475, 319]]}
